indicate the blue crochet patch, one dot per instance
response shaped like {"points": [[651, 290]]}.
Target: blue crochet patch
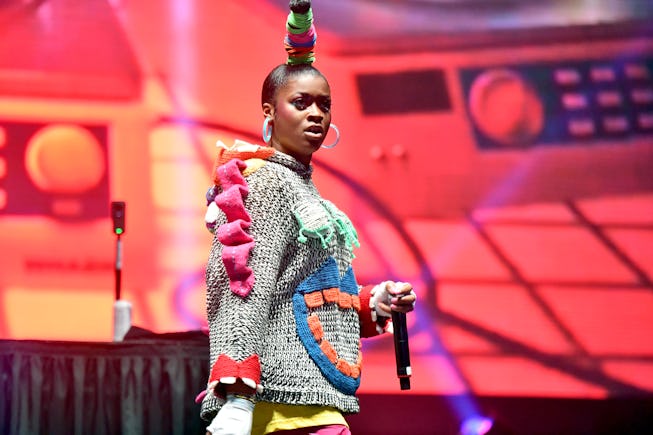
{"points": [[327, 276]]}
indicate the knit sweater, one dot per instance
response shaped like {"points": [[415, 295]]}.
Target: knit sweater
{"points": [[284, 309]]}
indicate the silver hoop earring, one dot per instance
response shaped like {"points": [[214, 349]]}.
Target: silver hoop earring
{"points": [[267, 130], [337, 137]]}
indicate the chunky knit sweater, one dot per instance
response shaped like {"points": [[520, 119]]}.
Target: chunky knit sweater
{"points": [[284, 309]]}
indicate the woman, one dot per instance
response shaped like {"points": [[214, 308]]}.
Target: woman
{"points": [[285, 312]]}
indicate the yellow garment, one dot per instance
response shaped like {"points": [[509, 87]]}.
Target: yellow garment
{"points": [[271, 417]]}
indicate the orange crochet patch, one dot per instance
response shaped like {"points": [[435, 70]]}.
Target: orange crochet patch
{"points": [[251, 152], [356, 302], [314, 299], [345, 300], [315, 326], [331, 295], [255, 152], [329, 351], [344, 367]]}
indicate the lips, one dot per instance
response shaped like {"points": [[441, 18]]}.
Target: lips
{"points": [[315, 131]]}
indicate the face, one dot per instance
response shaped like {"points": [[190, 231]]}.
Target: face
{"points": [[301, 116]]}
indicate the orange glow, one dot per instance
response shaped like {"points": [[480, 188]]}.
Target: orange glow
{"points": [[69, 315], [64, 159]]}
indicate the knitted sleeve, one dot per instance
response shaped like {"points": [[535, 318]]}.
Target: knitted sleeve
{"points": [[241, 275]]}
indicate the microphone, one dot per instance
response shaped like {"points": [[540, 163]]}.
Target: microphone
{"points": [[402, 353]]}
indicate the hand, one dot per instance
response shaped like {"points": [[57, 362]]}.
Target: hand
{"points": [[393, 296], [234, 418]]}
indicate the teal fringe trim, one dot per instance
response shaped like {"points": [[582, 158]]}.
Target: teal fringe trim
{"points": [[338, 223]]}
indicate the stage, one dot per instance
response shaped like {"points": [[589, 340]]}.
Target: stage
{"points": [[498, 157], [148, 385]]}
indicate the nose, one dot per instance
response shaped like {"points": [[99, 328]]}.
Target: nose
{"points": [[314, 112]]}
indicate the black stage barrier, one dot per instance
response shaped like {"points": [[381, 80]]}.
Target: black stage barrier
{"points": [[139, 386], [147, 385]]}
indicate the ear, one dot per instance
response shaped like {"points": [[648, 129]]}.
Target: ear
{"points": [[268, 110]]}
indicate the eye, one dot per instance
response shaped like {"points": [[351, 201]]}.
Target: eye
{"points": [[324, 104], [301, 103]]}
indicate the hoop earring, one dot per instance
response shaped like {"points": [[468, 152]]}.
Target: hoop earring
{"points": [[267, 130], [337, 137]]}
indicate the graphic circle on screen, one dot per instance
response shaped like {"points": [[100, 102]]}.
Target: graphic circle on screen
{"points": [[65, 159], [506, 108]]}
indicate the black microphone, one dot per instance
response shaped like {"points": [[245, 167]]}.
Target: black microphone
{"points": [[402, 353]]}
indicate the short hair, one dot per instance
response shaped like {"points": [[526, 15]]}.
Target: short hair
{"points": [[280, 75]]}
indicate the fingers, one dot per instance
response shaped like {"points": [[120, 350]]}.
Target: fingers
{"points": [[403, 305], [393, 296], [402, 308], [397, 305], [398, 288], [404, 297]]}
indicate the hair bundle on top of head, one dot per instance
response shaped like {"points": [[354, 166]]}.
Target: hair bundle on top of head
{"points": [[299, 42], [300, 33], [300, 6]]}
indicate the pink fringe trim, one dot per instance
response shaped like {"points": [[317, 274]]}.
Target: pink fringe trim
{"points": [[238, 244]]}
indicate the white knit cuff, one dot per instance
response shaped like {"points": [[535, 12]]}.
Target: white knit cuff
{"points": [[379, 294]]}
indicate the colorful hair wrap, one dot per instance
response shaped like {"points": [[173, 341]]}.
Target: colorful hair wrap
{"points": [[300, 38]]}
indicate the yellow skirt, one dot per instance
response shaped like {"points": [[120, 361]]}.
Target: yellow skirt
{"points": [[272, 417]]}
